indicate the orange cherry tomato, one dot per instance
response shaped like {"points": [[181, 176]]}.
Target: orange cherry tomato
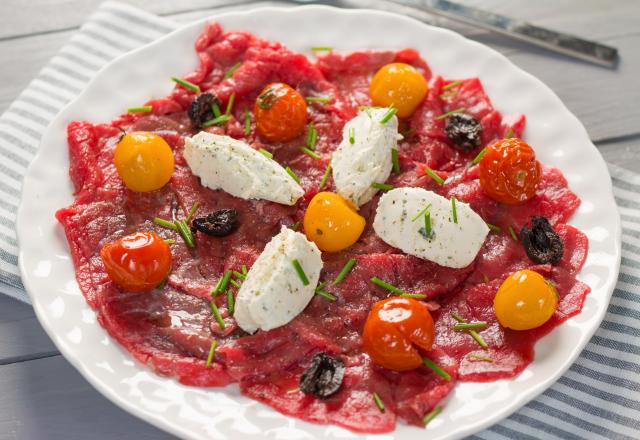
{"points": [[137, 262], [144, 161], [394, 328], [280, 113], [400, 86], [332, 222], [509, 171]]}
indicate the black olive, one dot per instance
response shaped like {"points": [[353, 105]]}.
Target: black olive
{"points": [[541, 243], [323, 377], [218, 223], [201, 109], [464, 131]]}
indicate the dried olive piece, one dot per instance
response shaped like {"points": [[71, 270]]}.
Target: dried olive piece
{"points": [[323, 377], [541, 243], [218, 223], [201, 109], [464, 131]]}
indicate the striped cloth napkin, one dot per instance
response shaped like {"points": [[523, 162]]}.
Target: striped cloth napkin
{"points": [[598, 398]]}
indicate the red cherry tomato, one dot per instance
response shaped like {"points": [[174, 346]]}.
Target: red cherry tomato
{"points": [[137, 262], [394, 328], [280, 113], [509, 171]]}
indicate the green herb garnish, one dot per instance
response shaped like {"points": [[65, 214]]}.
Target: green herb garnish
{"points": [[163, 283], [231, 304], [429, 172], [265, 153], [452, 112], [295, 226], [451, 85], [142, 109], [220, 120], [186, 84], [457, 317], [192, 212], [448, 94], [494, 228], [232, 99], [352, 135], [413, 295], [321, 49], [223, 283], [476, 160], [322, 99], [431, 415], [382, 186], [427, 231], [395, 160], [325, 177], [378, 402], [293, 175], [247, 123], [234, 283], [229, 73], [312, 136], [378, 282], [509, 134], [476, 336], [298, 267], [239, 275], [388, 115], [185, 232], [217, 315], [310, 153], [165, 223], [170, 241], [470, 325], [454, 211], [345, 271], [325, 295], [421, 213], [215, 108], [436, 369], [212, 351], [513, 233], [480, 358], [244, 269]]}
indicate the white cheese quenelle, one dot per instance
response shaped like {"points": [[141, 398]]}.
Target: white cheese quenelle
{"points": [[364, 155], [400, 222], [273, 292], [225, 163]]}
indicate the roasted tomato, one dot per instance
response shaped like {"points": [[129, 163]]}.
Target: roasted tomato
{"points": [[280, 113], [144, 161], [525, 300], [400, 86], [509, 171], [138, 262], [332, 222], [394, 328]]}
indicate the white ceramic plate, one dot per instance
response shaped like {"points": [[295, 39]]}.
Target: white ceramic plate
{"points": [[48, 274]]}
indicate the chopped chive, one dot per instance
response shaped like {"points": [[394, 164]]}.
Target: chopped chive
{"points": [[247, 123], [295, 226], [509, 134], [222, 119], [413, 295], [216, 314], [382, 186], [326, 295], [378, 402], [429, 172], [480, 358], [452, 112], [142, 109], [395, 160], [240, 276], [436, 369], [421, 213], [378, 282], [298, 267], [231, 305], [293, 175], [454, 211], [321, 49], [322, 99], [322, 285], [312, 136], [513, 233], [163, 283], [192, 211], [212, 351], [345, 271], [310, 153], [185, 233], [448, 94], [186, 84], [265, 153], [244, 269], [494, 228], [476, 336], [229, 73], [234, 283], [165, 223], [431, 415], [427, 231], [325, 177], [388, 115], [224, 282], [215, 108], [476, 160], [352, 135], [470, 325], [232, 99], [170, 241], [451, 85], [457, 317]]}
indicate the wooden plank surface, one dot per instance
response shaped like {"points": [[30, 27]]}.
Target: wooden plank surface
{"points": [[41, 395]]}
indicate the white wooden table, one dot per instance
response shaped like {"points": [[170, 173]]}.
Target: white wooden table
{"points": [[42, 396]]}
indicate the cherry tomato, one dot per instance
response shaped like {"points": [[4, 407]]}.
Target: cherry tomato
{"points": [[394, 328], [400, 86], [332, 222], [144, 161], [137, 262], [280, 113], [525, 300], [509, 171]]}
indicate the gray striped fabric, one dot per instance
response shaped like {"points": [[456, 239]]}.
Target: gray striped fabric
{"points": [[596, 399]]}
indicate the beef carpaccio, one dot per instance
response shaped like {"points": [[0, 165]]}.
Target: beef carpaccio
{"points": [[172, 328]]}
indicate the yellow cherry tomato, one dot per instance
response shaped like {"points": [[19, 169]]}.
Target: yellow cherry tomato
{"points": [[144, 161], [332, 222], [525, 300], [400, 86]]}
